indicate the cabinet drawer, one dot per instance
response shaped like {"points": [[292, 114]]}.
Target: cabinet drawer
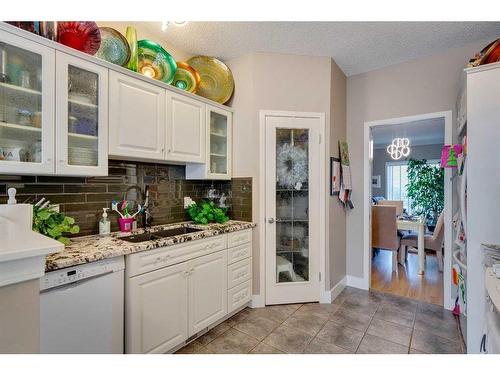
{"points": [[239, 272], [238, 296], [238, 253], [150, 260], [239, 238]]}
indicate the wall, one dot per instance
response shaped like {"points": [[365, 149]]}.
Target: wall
{"points": [[267, 81], [381, 157], [416, 87], [84, 197]]}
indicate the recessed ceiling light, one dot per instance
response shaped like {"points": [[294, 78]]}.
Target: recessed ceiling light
{"points": [[180, 23], [165, 24]]}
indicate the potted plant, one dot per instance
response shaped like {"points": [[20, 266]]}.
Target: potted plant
{"points": [[426, 190], [207, 212], [53, 224]]}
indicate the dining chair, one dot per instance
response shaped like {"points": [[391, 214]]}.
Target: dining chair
{"points": [[385, 231], [397, 204], [433, 242]]}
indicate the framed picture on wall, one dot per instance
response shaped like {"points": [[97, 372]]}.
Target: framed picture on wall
{"points": [[376, 182]]}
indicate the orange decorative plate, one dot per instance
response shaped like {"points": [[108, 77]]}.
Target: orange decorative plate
{"points": [[186, 78]]}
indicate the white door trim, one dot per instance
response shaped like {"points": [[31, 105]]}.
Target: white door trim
{"points": [[259, 299], [448, 209]]}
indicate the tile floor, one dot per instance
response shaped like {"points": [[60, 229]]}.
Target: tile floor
{"points": [[356, 322]]}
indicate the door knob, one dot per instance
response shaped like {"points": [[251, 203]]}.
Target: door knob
{"points": [[270, 220]]}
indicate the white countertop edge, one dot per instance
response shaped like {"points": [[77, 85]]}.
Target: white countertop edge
{"points": [[26, 244]]}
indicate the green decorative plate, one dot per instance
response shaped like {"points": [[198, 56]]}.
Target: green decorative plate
{"points": [[155, 62], [114, 47], [186, 78], [217, 81]]}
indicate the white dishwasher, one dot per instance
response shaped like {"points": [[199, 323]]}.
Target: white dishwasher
{"points": [[81, 309]]}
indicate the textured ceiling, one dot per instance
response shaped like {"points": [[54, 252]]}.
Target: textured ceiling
{"points": [[423, 132], [357, 47]]}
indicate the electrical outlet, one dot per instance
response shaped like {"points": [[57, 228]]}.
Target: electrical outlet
{"points": [[188, 202]]}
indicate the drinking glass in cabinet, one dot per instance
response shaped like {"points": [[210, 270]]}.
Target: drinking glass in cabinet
{"points": [[218, 143], [20, 104], [83, 112]]}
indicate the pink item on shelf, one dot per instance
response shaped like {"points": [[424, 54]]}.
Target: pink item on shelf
{"points": [[449, 155], [125, 224]]}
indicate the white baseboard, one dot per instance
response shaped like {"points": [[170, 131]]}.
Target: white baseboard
{"points": [[329, 295], [257, 301], [357, 282]]}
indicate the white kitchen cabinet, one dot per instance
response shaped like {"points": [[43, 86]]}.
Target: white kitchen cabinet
{"points": [[81, 117], [157, 310], [136, 118], [186, 129], [218, 145], [27, 91], [207, 290]]}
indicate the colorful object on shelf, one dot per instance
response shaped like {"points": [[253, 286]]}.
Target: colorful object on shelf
{"points": [[217, 81], [83, 36], [449, 155], [131, 36], [155, 62], [488, 55], [114, 47], [186, 78], [126, 224]]}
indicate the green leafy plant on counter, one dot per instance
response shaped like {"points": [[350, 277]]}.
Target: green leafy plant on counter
{"points": [[53, 224], [207, 212]]}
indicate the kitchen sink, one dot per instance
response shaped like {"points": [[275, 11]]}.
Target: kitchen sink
{"points": [[150, 236]]}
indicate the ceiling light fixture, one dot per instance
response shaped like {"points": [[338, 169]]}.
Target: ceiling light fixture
{"points": [[400, 147], [166, 24]]}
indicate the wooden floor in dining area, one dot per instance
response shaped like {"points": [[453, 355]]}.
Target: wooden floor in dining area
{"points": [[407, 282]]}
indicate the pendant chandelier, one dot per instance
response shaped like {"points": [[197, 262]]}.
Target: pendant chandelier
{"points": [[399, 148]]}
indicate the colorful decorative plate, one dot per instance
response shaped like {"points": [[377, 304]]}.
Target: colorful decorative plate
{"points": [[114, 47], [83, 36], [155, 62], [217, 81], [131, 35], [186, 78]]}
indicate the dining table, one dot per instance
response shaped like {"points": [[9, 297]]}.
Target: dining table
{"points": [[417, 225]]}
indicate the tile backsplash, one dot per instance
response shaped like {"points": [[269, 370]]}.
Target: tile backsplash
{"points": [[84, 197]]}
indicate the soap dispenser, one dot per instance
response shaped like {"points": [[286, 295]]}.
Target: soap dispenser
{"points": [[104, 223]]}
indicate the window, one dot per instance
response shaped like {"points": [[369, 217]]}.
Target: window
{"points": [[397, 179]]}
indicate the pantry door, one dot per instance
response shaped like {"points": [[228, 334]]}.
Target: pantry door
{"points": [[292, 209]]}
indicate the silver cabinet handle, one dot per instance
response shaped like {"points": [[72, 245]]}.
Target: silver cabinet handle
{"points": [[270, 220]]}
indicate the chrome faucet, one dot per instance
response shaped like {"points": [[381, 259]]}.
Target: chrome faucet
{"points": [[144, 197]]}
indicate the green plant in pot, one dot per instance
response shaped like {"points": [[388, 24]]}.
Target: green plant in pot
{"points": [[207, 212], [426, 189], [53, 224]]}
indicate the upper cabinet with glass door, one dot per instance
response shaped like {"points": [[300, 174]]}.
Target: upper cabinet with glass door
{"points": [[26, 106], [219, 131], [82, 117]]}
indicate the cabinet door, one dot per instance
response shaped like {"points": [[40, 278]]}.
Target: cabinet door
{"points": [[136, 118], [207, 290], [81, 117], [185, 129], [26, 106], [219, 143], [157, 310]]}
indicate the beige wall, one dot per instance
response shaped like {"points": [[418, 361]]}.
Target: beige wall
{"points": [[142, 33], [416, 87], [283, 83], [20, 318]]}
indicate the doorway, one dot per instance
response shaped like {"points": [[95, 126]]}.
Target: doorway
{"points": [[418, 275], [292, 208]]}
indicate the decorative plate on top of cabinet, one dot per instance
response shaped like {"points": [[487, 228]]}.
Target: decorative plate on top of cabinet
{"points": [[155, 62], [114, 47], [217, 81], [186, 78], [83, 36]]}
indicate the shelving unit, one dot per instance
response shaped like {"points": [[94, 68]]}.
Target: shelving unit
{"points": [[19, 89]]}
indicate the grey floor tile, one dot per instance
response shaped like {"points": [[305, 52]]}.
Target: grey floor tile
{"points": [[319, 310], [192, 348], [238, 318], [415, 351], [279, 313], [352, 318], [288, 339], [363, 306], [433, 344], [265, 349], [344, 337], [390, 331], [394, 314], [317, 346], [213, 333], [257, 327], [306, 323], [400, 302], [376, 345], [232, 342], [441, 325]]}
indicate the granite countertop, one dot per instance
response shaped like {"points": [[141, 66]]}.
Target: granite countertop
{"points": [[93, 248]]}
